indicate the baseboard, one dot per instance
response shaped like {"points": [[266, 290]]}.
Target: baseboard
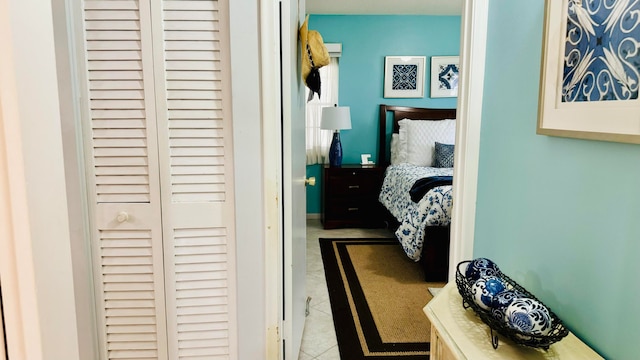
{"points": [[313, 216]]}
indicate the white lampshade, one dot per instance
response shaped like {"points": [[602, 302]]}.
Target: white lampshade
{"points": [[336, 118]]}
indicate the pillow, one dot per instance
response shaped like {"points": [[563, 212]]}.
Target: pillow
{"points": [[443, 157], [394, 149], [421, 138], [399, 146], [402, 141]]}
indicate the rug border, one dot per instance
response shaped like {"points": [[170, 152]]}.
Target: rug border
{"points": [[342, 316]]}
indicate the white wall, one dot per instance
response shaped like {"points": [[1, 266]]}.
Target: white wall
{"points": [[35, 256]]}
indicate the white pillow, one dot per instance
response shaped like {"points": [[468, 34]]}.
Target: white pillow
{"points": [[394, 149], [402, 141], [398, 150], [422, 135]]}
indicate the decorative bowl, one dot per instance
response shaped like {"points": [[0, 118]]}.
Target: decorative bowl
{"points": [[498, 325]]}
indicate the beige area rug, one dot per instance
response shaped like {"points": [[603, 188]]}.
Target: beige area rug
{"points": [[377, 295]]}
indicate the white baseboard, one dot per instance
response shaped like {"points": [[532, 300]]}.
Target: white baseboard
{"points": [[313, 216]]}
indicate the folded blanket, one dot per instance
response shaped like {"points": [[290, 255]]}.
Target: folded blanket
{"points": [[422, 186]]}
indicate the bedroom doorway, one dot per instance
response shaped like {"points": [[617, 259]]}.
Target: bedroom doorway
{"points": [[474, 16]]}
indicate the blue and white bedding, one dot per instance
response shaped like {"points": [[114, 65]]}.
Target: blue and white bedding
{"points": [[434, 209]]}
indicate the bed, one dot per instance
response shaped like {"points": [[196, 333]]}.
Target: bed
{"points": [[417, 190]]}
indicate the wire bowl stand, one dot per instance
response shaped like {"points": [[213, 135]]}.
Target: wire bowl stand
{"points": [[497, 326]]}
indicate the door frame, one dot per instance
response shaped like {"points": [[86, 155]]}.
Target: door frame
{"points": [[473, 44], [273, 166], [472, 55]]}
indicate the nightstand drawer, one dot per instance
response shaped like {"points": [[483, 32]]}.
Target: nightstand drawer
{"points": [[352, 185], [348, 209], [354, 181]]}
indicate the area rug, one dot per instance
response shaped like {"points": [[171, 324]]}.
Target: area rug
{"points": [[377, 295]]}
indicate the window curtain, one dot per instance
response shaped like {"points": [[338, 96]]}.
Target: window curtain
{"points": [[318, 140]]}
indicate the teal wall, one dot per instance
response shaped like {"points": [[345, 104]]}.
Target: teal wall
{"points": [[561, 216], [366, 40]]}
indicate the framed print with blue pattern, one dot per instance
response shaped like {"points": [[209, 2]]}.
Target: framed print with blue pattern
{"points": [[404, 76], [590, 73], [444, 76]]}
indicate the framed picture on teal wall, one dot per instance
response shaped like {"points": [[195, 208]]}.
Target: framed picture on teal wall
{"points": [[590, 73], [404, 76], [444, 76]]}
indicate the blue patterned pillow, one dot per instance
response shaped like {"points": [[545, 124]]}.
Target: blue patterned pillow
{"points": [[443, 155]]}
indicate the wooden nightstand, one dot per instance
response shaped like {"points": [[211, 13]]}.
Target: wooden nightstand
{"points": [[350, 196]]}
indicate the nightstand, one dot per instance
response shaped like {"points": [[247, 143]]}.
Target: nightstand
{"points": [[350, 196]]}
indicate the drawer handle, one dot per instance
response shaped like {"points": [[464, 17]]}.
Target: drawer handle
{"points": [[354, 186], [353, 209]]}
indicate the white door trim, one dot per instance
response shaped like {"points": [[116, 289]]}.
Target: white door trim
{"points": [[272, 152], [474, 21], [256, 186]]}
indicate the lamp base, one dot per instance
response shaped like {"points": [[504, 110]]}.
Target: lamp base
{"points": [[335, 151]]}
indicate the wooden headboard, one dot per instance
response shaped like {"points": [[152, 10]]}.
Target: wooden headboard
{"points": [[404, 112]]}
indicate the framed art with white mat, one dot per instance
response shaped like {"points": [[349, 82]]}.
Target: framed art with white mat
{"points": [[590, 76], [404, 76], [445, 71]]}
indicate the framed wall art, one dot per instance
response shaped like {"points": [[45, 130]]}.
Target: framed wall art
{"points": [[404, 76], [444, 76], [590, 71]]}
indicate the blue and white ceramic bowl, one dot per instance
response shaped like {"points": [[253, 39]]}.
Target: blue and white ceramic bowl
{"points": [[485, 289], [480, 267], [528, 316], [501, 301]]}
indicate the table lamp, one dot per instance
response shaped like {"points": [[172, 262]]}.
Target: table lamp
{"points": [[335, 118]]}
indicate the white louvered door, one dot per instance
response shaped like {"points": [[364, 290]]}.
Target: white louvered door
{"points": [[158, 132], [196, 166]]}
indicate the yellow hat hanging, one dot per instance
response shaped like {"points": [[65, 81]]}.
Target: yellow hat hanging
{"points": [[314, 56]]}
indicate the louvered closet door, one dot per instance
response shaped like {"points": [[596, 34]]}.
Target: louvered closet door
{"points": [[122, 167], [193, 98], [159, 154]]}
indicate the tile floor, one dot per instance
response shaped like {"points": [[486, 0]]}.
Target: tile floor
{"points": [[319, 337]]}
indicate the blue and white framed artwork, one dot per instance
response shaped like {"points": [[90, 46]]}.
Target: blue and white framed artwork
{"points": [[445, 71], [404, 76], [590, 75]]}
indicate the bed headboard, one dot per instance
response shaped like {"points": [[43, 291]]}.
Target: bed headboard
{"points": [[405, 112]]}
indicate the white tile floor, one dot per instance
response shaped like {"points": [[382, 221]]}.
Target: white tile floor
{"points": [[319, 337]]}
